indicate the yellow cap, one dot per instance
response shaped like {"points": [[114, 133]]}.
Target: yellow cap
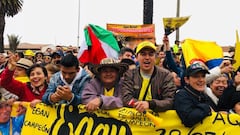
{"points": [[145, 44], [29, 53]]}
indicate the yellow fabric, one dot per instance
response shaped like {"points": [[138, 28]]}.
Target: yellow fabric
{"points": [[173, 23], [109, 92], [22, 79], [197, 50], [237, 53], [122, 121], [143, 90]]}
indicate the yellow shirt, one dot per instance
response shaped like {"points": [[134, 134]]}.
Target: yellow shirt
{"points": [[109, 92], [143, 90], [22, 79]]}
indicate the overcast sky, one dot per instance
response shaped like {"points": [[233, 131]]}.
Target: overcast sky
{"points": [[56, 21]]}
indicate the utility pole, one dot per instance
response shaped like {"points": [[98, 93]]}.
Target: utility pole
{"points": [[177, 15], [78, 23]]}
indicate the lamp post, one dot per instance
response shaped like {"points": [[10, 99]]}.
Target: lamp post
{"points": [[78, 24], [177, 15]]}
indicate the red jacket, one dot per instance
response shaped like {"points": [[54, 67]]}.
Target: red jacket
{"points": [[22, 90]]}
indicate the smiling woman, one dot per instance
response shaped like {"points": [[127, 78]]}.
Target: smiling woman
{"points": [[26, 91]]}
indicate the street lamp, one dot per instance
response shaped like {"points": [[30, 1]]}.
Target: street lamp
{"points": [[177, 15], [78, 24]]}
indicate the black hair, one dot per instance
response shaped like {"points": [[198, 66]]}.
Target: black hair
{"points": [[176, 41], [39, 53], [20, 54], [125, 49], [69, 60], [30, 69]]}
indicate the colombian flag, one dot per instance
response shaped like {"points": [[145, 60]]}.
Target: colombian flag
{"points": [[208, 52]]}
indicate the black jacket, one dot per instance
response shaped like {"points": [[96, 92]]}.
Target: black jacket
{"points": [[191, 106]]}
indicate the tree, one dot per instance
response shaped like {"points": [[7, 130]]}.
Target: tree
{"points": [[148, 12], [14, 41], [8, 8]]}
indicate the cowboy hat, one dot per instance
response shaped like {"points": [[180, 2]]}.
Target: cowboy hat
{"points": [[110, 62]]}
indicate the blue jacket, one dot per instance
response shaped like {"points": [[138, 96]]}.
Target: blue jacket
{"points": [[17, 123], [81, 78]]}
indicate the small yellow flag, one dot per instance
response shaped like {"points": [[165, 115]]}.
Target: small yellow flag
{"points": [[171, 24], [237, 53]]}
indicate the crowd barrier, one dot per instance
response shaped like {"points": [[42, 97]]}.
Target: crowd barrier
{"points": [[74, 120]]}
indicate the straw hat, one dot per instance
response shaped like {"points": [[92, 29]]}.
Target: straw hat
{"points": [[110, 62], [24, 63]]}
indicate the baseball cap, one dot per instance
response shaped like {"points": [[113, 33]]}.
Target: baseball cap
{"points": [[195, 68], [145, 44]]}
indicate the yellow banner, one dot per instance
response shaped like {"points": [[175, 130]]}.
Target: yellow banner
{"points": [[135, 31], [70, 120], [173, 23]]}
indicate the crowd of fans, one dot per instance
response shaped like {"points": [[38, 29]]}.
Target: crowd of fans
{"points": [[153, 77]]}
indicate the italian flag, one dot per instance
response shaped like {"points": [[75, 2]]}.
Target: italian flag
{"points": [[98, 44]]}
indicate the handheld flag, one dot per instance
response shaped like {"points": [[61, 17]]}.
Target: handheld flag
{"points": [[171, 24], [208, 52], [237, 53], [98, 43]]}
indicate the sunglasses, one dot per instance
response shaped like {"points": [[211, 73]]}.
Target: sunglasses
{"points": [[47, 57]]}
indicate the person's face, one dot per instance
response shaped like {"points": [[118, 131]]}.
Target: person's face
{"points": [[146, 59], [5, 112], [127, 55], [219, 85], [2, 58], [29, 57], [108, 75], [37, 77], [197, 81], [161, 62], [56, 58], [161, 54], [19, 72], [49, 50], [58, 48], [237, 108], [39, 57], [47, 59], [69, 73]]}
